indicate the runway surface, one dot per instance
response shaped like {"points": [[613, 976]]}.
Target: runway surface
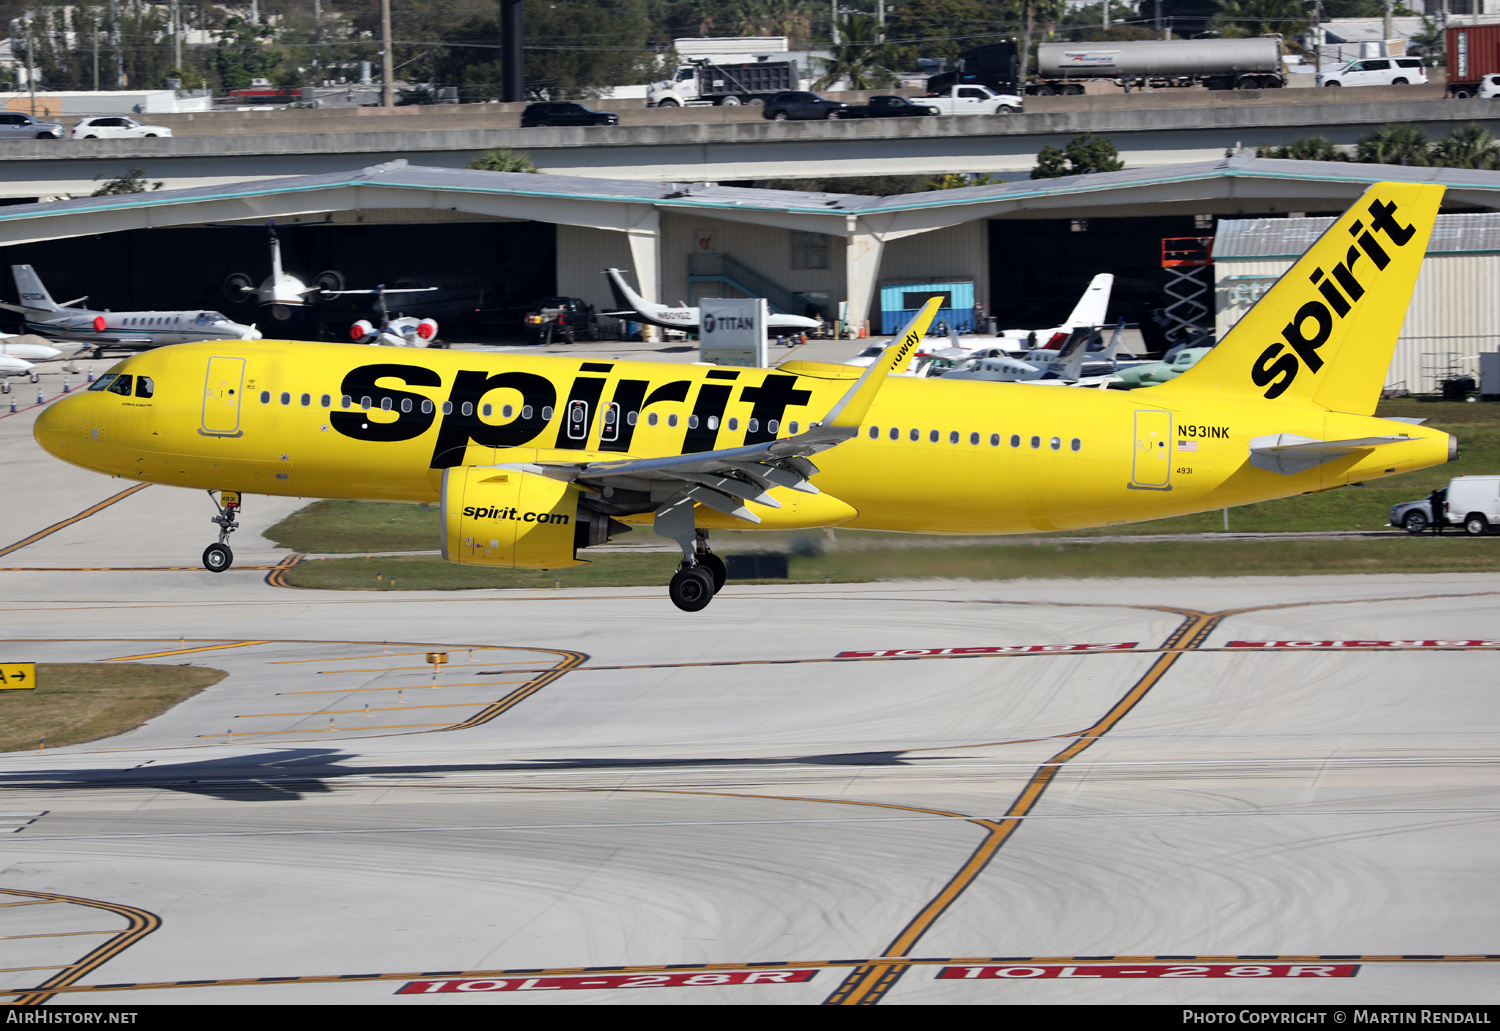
{"points": [[1192, 791]]}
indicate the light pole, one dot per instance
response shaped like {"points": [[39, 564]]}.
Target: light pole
{"points": [[387, 64]]}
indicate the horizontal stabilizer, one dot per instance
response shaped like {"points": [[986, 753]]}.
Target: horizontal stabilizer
{"points": [[1289, 454]]}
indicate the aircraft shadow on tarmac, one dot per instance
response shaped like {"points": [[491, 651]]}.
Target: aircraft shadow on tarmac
{"points": [[291, 773]]}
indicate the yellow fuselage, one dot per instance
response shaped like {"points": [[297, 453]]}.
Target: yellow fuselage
{"points": [[271, 417]]}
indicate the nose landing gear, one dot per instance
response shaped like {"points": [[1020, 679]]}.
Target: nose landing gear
{"points": [[218, 557]]}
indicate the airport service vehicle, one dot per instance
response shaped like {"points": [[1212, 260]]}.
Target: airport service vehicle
{"points": [[115, 330], [703, 83], [895, 107], [565, 318], [1473, 58], [638, 309], [1377, 71], [115, 127], [542, 115], [1472, 502], [1065, 68], [973, 100], [800, 104], [16, 126], [533, 457]]}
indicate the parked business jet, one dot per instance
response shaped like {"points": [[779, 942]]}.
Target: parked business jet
{"points": [[115, 330], [282, 296], [535, 457], [638, 309], [1089, 311]]}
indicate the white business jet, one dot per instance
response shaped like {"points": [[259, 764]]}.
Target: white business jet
{"points": [[638, 309]]}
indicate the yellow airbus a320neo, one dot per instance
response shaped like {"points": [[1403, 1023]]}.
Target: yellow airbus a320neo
{"points": [[535, 458]]}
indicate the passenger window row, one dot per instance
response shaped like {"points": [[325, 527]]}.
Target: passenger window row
{"points": [[954, 437]]}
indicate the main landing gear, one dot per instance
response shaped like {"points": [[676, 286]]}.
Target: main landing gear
{"points": [[699, 578], [218, 557], [702, 573]]}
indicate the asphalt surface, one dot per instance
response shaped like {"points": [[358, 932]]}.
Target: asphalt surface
{"points": [[1246, 791]]}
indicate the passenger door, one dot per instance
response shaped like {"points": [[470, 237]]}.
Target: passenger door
{"points": [[222, 388], [1151, 468]]}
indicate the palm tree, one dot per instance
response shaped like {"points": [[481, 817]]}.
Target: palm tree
{"points": [[503, 161], [1308, 148], [1395, 145], [860, 57], [1468, 147]]}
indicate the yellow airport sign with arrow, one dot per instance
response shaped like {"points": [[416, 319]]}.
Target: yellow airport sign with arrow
{"points": [[17, 676]]}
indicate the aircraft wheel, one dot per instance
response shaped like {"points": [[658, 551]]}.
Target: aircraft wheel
{"points": [[691, 589], [716, 569], [217, 558], [5, 387], [35, 378], [1415, 523], [1476, 525]]}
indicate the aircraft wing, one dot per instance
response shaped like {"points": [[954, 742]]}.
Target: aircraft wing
{"points": [[1289, 454], [724, 479]]}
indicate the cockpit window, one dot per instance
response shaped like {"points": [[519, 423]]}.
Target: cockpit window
{"points": [[206, 318], [104, 381], [121, 385], [144, 387]]}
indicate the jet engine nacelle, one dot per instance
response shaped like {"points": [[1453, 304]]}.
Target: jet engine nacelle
{"points": [[427, 329], [506, 517], [361, 331]]}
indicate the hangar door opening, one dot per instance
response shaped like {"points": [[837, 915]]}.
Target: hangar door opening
{"points": [[1040, 267]]}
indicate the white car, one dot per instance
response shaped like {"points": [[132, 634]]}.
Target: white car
{"points": [[1489, 87], [1377, 71], [115, 127]]}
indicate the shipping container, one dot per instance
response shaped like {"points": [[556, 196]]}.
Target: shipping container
{"points": [[1473, 53]]}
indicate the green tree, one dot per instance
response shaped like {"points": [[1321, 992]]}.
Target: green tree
{"points": [[240, 54], [1083, 155], [1469, 146], [941, 28], [1308, 148], [1394, 145], [1287, 18], [133, 181], [860, 58], [503, 161], [957, 181]]}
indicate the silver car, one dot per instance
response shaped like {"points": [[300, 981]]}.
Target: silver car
{"points": [[17, 126]]}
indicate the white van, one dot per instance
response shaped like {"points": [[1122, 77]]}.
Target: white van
{"points": [[1377, 71], [1473, 502]]}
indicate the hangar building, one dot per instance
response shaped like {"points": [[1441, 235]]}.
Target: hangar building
{"points": [[1022, 251]]}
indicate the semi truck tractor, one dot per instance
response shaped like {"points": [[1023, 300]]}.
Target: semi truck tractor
{"points": [[1473, 58], [703, 83], [1065, 68]]}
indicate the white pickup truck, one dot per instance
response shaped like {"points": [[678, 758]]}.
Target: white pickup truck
{"points": [[973, 100]]}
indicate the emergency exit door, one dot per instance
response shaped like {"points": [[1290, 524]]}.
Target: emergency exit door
{"points": [[1152, 465], [222, 388]]}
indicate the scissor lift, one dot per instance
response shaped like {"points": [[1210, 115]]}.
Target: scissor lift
{"points": [[1189, 262]]}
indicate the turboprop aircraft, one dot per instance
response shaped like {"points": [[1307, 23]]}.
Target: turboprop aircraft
{"points": [[533, 458], [115, 330], [637, 308]]}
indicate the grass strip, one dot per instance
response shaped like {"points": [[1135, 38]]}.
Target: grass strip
{"points": [[1041, 559], [86, 701]]}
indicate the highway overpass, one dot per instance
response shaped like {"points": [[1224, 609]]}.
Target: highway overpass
{"points": [[725, 150]]}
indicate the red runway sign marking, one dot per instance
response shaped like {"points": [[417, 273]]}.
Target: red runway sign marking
{"points": [[1002, 649], [552, 984], [1363, 644], [1019, 972]]}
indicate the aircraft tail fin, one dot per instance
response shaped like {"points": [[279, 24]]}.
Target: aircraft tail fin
{"points": [[624, 296], [32, 293], [1325, 332], [1089, 311]]}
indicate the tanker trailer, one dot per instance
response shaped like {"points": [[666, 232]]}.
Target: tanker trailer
{"points": [[1255, 63]]}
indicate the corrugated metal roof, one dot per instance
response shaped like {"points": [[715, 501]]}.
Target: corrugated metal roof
{"points": [[1290, 237]]}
